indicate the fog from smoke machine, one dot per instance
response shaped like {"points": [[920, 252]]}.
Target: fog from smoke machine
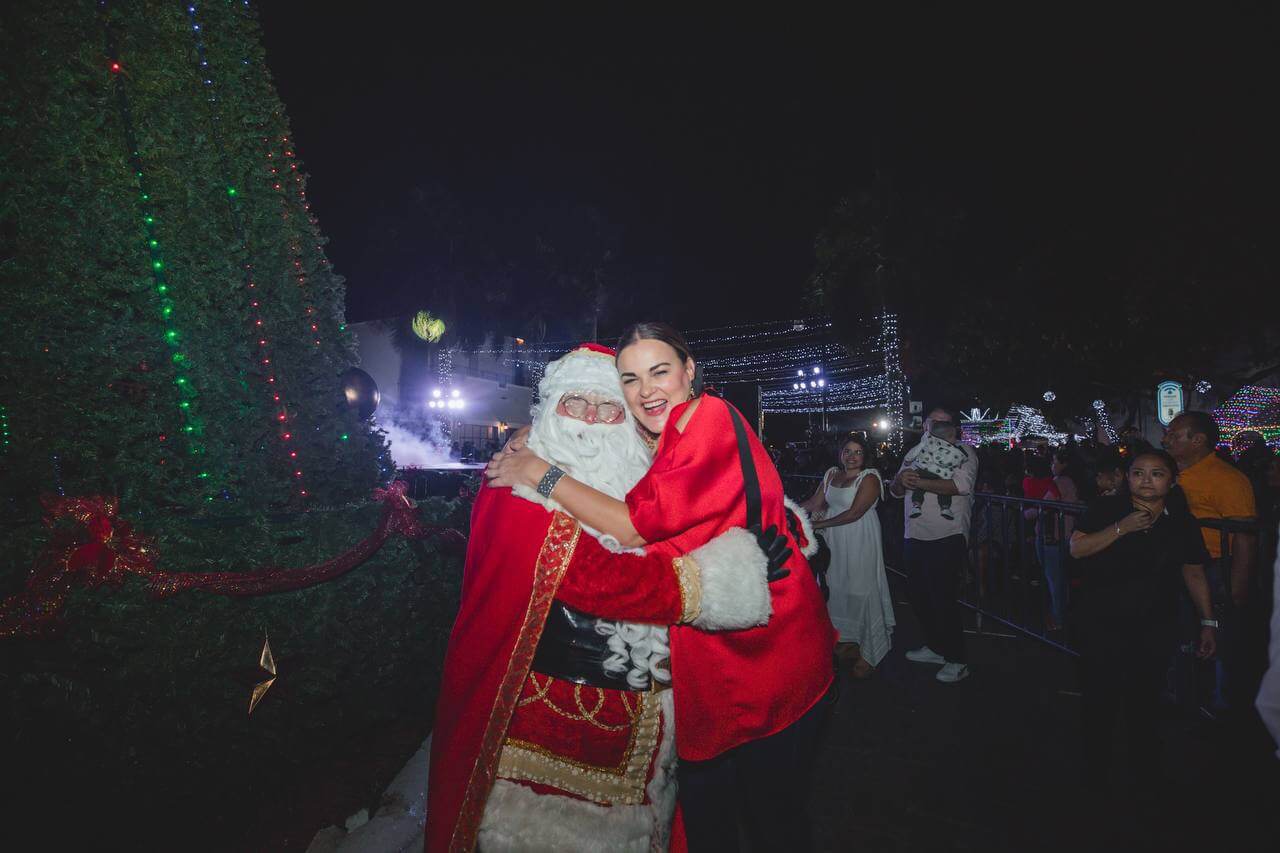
{"points": [[417, 440]]}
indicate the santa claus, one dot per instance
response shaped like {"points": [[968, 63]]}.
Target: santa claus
{"points": [[554, 728]]}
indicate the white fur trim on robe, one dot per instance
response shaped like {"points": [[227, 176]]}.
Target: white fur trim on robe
{"points": [[806, 525], [735, 590], [516, 818]]}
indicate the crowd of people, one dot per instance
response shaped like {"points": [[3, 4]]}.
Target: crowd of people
{"points": [[1149, 558], [647, 619]]}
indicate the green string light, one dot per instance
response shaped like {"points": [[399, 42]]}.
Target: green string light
{"points": [[172, 336]]}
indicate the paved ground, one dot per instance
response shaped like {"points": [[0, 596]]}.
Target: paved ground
{"points": [[992, 764]]}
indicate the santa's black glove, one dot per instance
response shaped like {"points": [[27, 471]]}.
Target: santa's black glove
{"points": [[776, 551]]}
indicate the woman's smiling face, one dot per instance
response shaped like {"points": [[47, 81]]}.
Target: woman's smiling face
{"points": [[852, 456], [654, 380]]}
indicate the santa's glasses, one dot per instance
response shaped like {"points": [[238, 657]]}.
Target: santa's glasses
{"points": [[606, 412]]}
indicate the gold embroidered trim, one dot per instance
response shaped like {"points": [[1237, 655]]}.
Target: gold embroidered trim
{"points": [[623, 785], [689, 576], [585, 716], [553, 560]]}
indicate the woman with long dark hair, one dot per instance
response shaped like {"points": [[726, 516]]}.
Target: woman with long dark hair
{"points": [[1135, 548], [747, 703], [844, 506]]}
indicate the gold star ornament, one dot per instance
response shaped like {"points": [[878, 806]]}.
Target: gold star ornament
{"points": [[266, 666]]}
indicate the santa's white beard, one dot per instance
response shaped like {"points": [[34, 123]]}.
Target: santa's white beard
{"points": [[610, 458]]}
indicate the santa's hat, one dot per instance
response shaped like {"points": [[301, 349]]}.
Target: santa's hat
{"points": [[586, 368]]}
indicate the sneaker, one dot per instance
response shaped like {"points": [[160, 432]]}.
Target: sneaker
{"points": [[946, 513], [924, 654], [951, 672], [915, 512]]}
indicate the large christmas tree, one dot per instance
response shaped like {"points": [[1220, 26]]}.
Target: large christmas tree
{"points": [[172, 336], [173, 331]]}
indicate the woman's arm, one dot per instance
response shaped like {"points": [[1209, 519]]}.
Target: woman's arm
{"points": [[866, 497], [817, 500], [1087, 544], [598, 510], [1069, 493], [594, 509], [1198, 588]]}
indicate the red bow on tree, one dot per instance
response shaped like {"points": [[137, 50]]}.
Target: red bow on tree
{"points": [[101, 548]]}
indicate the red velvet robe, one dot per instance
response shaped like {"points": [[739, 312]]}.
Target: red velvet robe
{"points": [[735, 686], [520, 557]]}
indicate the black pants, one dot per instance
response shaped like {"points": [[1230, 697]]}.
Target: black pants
{"points": [[933, 581], [1119, 679], [763, 783]]}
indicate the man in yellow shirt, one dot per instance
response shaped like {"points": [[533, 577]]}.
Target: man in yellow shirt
{"points": [[1215, 490], [1218, 490]]}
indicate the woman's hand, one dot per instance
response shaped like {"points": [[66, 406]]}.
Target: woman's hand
{"points": [[516, 467], [517, 440], [1208, 643], [1135, 521]]}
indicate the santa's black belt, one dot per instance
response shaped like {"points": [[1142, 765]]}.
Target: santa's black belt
{"points": [[572, 649]]}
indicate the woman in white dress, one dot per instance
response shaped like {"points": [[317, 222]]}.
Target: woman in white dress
{"points": [[843, 509]]}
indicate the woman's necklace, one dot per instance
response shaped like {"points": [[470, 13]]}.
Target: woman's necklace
{"points": [[650, 440]]}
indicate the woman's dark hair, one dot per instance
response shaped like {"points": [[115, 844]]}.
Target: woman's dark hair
{"points": [[1111, 459], [1038, 466], [653, 331], [1160, 454], [868, 449], [1071, 462]]}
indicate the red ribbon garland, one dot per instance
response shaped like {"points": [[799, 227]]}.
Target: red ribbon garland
{"points": [[103, 549]]}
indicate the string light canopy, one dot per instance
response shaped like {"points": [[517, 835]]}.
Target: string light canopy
{"points": [[1253, 407], [799, 365]]}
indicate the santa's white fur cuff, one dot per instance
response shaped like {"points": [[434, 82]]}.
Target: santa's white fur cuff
{"points": [[806, 526], [735, 591]]}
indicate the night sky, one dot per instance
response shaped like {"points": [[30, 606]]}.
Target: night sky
{"points": [[717, 148]]}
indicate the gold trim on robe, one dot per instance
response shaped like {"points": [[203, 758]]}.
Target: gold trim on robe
{"points": [[620, 785], [553, 561]]}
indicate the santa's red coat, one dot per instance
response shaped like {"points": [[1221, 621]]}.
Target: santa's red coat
{"points": [[519, 557], [729, 687]]}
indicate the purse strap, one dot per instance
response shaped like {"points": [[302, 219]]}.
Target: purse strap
{"points": [[750, 479]]}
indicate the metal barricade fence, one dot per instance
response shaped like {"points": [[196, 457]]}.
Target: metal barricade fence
{"points": [[1021, 576], [1021, 573]]}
